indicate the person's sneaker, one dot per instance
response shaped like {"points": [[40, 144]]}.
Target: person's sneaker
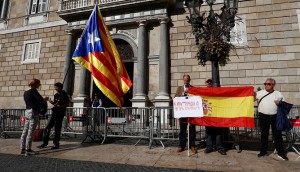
{"points": [[208, 150], [23, 151], [222, 152], [179, 149], [261, 154], [42, 146], [193, 150], [55, 147], [30, 152], [283, 157]]}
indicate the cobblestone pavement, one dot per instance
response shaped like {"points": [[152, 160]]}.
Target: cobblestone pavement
{"points": [[14, 163]]}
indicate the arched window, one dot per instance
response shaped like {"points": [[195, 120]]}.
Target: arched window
{"points": [[125, 50]]}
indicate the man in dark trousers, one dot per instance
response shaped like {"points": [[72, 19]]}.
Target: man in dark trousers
{"points": [[183, 122], [268, 101], [60, 102], [213, 134]]}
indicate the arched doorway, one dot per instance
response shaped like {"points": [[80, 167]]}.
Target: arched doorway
{"points": [[127, 53]]}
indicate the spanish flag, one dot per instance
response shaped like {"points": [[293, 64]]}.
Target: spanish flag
{"points": [[97, 52], [225, 106]]}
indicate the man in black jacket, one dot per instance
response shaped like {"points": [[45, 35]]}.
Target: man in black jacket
{"points": [[60, 102]]}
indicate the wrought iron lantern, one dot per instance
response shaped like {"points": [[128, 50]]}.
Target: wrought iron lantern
{"points": [[212, 32]]}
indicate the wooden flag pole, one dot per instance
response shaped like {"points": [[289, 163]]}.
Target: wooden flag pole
{"points": [[188, 138]]}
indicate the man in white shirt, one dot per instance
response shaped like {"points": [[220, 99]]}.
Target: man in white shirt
{"points": [[268, 100]]}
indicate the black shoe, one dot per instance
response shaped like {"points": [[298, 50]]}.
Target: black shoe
{"points": [[222, 152], [30, 152], [55, 147], [261, 154], [42, 146], [283, 157], [208, 150], [23, 151]]}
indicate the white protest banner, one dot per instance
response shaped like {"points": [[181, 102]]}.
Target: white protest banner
{"points": [[187, 107]]}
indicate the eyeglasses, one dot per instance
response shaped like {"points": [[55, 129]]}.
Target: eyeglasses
{"points": [[268, 84]]}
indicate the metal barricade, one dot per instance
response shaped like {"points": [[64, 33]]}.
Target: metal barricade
{"points": [[128, 122], [76, 122], [88, 122], [166, 128], [12, 121], [293, 137], [248, 136], [96, 124], [242, 136], [155, 124]]}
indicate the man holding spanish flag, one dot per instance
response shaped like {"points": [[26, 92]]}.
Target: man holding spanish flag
{"points": [[224, 107], [97, 52], [213, 134]]}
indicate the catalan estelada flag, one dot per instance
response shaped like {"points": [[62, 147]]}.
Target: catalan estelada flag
{"points": [[225, 106], [97, 52]]}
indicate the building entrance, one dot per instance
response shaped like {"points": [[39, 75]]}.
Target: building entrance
{"points": [[126, 53]]}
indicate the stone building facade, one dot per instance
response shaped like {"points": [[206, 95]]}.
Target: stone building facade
{"points": [[155, 41], [42, 32]]}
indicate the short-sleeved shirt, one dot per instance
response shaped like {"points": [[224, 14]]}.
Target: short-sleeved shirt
{"points": [[61, 99], [267, 105]]}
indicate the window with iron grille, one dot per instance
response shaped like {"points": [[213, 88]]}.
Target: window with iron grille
{"points": [[38, 6], [31, 51]]}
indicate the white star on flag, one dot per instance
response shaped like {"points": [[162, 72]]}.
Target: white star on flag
{"points": [[93, 38]]}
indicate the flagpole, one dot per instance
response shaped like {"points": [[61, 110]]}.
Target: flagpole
{"points": [[86, 24], [188, 128]]}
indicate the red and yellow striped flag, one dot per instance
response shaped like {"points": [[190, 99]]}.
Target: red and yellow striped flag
{"points": [[225, 106], [97, 52]]}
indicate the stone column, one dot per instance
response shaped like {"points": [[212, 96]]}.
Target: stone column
{"points": [[69, 65], [163, 98], [141, 99], [83, 100]]}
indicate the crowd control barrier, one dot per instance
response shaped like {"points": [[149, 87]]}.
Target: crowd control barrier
{"points": [[153, 124], [128, 122], [12, 121], [166, 128]]}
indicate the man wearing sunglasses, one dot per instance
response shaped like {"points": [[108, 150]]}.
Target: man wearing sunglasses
{"points": [[268, 100]]}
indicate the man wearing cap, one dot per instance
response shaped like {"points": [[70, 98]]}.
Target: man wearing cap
{"points": [[213, 134], [183, 123]]}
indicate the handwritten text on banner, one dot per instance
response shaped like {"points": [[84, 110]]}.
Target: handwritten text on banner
{"points": [[188, 107]]}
